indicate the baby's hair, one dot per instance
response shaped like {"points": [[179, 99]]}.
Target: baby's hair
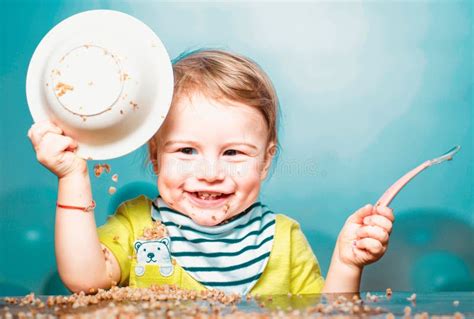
{"points": [[223, 76]]}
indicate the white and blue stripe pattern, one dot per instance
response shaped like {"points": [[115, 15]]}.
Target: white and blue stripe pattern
{"points": [[229, 257]]}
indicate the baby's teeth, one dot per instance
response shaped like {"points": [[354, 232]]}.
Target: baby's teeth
{"points": [[207, 195]]}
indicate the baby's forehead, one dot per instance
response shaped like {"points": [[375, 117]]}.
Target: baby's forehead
{"points": [[225, 118]]}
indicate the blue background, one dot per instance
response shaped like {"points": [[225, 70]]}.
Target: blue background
{"points": [[368, 90]]}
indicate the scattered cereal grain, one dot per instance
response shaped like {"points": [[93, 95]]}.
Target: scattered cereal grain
{"points": [[112, 190]]}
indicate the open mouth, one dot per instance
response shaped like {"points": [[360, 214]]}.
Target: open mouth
{"points": [[207, 199], [210, 196]]}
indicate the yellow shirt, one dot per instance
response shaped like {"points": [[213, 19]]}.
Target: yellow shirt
{"points": [[291, 268]]}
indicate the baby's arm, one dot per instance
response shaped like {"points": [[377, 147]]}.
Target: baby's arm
{"points": [[80, 257], [363, 240]]}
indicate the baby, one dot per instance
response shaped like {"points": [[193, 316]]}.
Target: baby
{"points": [[207, 228]]}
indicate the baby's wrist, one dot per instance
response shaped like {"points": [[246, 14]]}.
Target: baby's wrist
{"points": [[349, 269], [75, 175], [346, 266]]}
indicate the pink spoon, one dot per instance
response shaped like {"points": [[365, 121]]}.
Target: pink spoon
{"points": [[390, 193]]}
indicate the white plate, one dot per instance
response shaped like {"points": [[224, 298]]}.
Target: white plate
{"points": [[105, 78]]}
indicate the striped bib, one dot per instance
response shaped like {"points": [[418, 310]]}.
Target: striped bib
{"points": [[229, 257]]}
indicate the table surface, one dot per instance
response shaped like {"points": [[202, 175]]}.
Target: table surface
{"points": [[435, 304]]}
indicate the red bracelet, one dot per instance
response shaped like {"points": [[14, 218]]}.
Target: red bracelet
{"points": [[84, 209]]}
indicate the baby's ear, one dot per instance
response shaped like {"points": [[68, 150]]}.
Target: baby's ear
{"points": [[270, 152], [138, 244]]}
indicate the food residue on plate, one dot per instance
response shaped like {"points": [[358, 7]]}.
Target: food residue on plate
{"points": [[115, 178], [63, 88], [124, 77], [134, 105]]}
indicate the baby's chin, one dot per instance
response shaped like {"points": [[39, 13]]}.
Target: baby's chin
{"points": [[208, 218]]}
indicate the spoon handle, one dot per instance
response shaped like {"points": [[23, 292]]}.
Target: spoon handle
{"points": [[390, 193], [393, 190]]}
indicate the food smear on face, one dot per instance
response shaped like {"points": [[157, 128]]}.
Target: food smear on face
{"points": [[226, 208]]}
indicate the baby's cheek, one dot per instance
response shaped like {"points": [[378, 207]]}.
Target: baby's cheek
{"points": [[246, 170], [178, 168]]}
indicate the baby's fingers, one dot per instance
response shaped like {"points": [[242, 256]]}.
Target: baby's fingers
{"points": [[40, 129], [374, 232], [359, 215], [380, 221], [54, 144], [371, 245], [52, 149], [386, 212]]}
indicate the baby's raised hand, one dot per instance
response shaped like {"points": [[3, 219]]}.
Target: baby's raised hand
{"points": [[364, 237], [54, 150]]}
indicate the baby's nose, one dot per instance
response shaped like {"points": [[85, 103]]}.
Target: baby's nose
{"points": [[151, 255], [210, 171]]}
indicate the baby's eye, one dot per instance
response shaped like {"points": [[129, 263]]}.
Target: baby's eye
{"points": [[187, 150], [232, 152]]}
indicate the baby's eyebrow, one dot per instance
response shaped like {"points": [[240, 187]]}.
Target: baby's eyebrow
{"points": [[171, 142]]}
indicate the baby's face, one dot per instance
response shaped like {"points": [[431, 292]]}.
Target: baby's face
{"points": [[211, 158]]}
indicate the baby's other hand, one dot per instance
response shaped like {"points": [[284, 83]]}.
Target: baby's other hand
{"points": [[54, 150], [364, 237]]}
